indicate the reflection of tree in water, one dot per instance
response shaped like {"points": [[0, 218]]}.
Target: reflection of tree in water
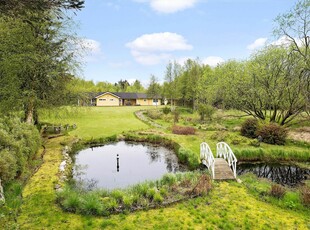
{"points": [[81, 183], [157, 153], [153, 153], [282, 174]]}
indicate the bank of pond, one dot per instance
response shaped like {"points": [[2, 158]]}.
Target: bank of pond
{"points": [[128, 176]]}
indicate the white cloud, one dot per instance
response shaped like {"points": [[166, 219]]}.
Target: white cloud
{"points": [[286, 41], [169, 6], [260, 42], [151, 49], [213, 61]]}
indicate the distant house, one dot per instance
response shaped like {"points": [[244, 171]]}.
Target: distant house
{"points": [[124, 99]]}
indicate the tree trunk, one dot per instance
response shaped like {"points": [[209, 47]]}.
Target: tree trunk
{"points": [[29, 113]]}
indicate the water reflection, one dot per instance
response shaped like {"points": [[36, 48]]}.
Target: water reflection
{"points": [[281, 174], [121, 164]]}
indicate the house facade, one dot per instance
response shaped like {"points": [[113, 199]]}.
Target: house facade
{"points": [[124, 99]]}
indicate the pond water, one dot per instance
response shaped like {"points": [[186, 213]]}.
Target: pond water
{"points": [[282, 174], [122, 164]]}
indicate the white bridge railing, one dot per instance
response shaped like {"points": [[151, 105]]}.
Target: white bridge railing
{"points": [[207, 157], [224, 151]]}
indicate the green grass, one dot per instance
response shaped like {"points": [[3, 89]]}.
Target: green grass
{"points": [[228, 206], [95, 122]]}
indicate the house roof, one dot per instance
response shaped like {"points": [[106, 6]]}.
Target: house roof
{"points": [[126, 95]]}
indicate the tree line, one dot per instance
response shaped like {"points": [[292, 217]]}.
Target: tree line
{"points": [[273, 84]]}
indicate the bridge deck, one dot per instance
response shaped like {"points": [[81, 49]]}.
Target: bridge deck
{"points": [[222, 171]]}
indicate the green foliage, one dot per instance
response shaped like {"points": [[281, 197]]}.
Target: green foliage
{"points": [[158, 198], [142, 195], [188, 157], [176, 115], [118, 195], [272, 134], [19, 142], [205, 110], [154, 113], [249, 128], [166, 110]]}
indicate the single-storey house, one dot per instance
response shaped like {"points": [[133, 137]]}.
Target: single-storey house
{"points": [[124, 99]]}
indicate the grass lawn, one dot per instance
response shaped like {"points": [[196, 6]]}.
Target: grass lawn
{"points": [[95, 122], [229, 205]]}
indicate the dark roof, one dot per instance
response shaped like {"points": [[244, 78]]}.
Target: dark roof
{"points": [[126, 95]]}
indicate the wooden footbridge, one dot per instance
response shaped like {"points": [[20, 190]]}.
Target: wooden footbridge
{"points": [[224, 166]]}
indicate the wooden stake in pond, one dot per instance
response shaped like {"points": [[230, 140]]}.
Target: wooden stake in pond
{"points": [[117, 162]]}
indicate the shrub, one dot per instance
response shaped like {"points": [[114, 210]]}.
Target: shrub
{"points": [[166, 110], [272, 134], [220, 136], [154, 114], [249, 128], [176, 116], [19, 143], [305, 195], [277, 191], [205, 110], [183, 130]]}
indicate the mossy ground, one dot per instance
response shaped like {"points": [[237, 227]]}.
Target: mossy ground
{"points": [[228, 206]]}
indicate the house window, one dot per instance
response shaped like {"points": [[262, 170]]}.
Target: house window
{"points": [[144, 99], [155, 100], [111, 99], [102, 99]]}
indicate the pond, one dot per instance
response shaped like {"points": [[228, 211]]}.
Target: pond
{"points": [[282, 174], [122, 164]]}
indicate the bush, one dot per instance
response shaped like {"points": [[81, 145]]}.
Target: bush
{"points": [[249, 128], [154, 114], [277, 191], [183, 130], [220, 136], [176, 116], [19, 143], [305, 195], [166, 110], [272, 134], [205, 110]]}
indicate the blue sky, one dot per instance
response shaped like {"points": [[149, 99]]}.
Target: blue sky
{"points": [[132, 39]]}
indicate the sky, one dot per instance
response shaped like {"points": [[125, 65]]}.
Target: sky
{"points": [[134, 39]]}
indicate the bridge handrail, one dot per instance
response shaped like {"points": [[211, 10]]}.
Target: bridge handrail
{"points": [[206, 157], [224, 151]]}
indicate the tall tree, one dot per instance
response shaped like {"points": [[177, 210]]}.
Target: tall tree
{"points": [[154, 89], [294, 27], [34, 56]]}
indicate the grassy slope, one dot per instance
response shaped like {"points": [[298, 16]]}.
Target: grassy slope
{"points": [[228, 206]]}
